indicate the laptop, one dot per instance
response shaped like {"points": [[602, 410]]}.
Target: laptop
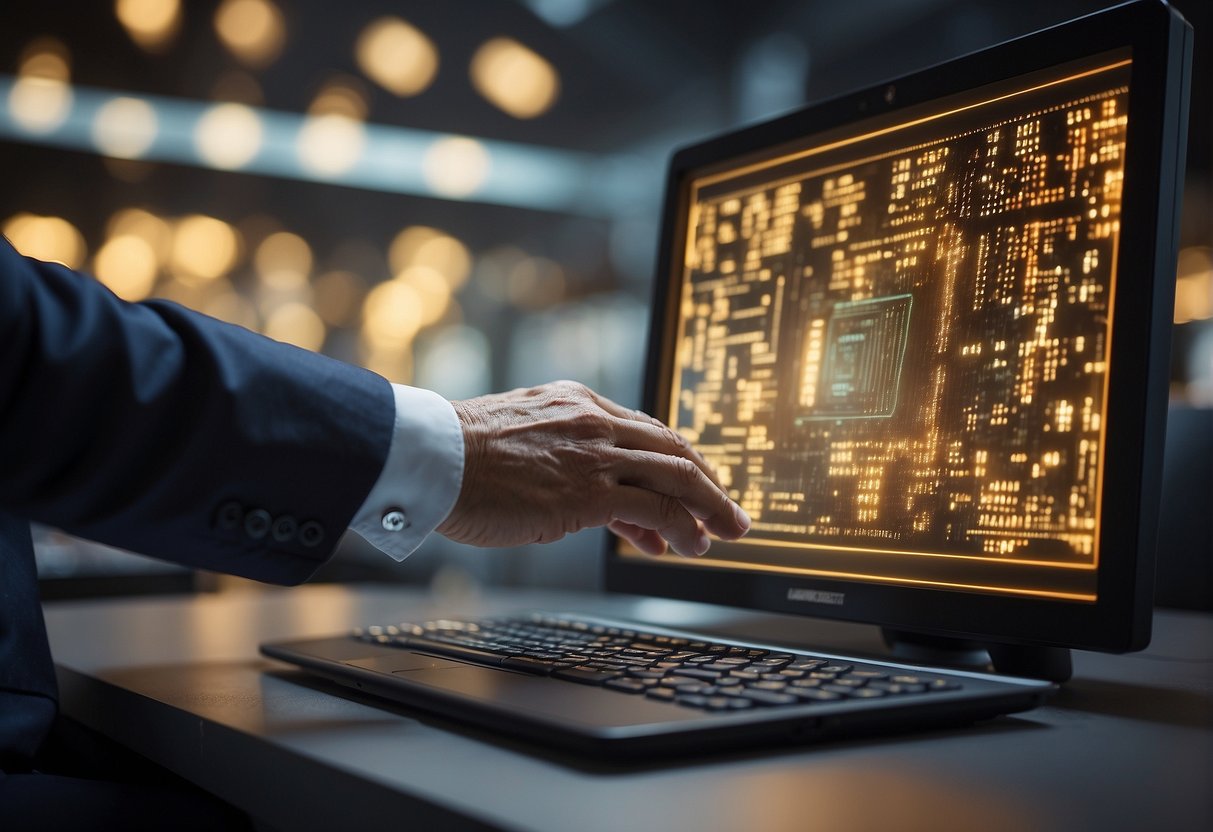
{"points": [[921, 332]]}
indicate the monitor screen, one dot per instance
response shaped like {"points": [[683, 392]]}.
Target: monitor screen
{"points": [[922, 332], [893, 339]]}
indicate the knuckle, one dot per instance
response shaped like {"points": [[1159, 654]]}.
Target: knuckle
{"points": [[670, 511], [587, 423], [677, 440], [572, 388], [686, 473]]}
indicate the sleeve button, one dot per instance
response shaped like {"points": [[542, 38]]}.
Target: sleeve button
{"points": [[229, 515], [311, 533], [257, 523], [395, 521], [284, 528]]}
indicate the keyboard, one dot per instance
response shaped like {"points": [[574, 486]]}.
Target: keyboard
{"points": [[708, 675]]}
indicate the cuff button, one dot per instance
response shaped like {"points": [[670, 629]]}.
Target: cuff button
{"points": [[229, 516], [284, 528], [257, 523], [395, 521], [311, 533]]}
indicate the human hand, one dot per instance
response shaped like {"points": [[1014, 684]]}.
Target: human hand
{"points": [[555, 459]]}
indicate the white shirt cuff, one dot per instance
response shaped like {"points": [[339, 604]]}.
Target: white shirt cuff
{"points": [[421, 478]]}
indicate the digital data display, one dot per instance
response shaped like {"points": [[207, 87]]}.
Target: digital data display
{"points": [[893, 343]]}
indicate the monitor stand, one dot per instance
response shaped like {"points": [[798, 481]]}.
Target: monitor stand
{"points": [[1049, 663]]}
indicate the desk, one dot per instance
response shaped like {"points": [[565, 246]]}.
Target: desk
{"points": [[1127, 745]]}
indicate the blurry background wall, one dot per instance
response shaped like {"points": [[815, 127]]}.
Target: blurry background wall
{"points": [[462, 195]]}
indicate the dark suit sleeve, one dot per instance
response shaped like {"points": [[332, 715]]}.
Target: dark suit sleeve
{"points": [[156, 429]]}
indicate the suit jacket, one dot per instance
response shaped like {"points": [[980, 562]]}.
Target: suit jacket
{"points": [[156, 429]]}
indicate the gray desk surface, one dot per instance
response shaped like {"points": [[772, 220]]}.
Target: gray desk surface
{"points": [[1127, 745]]}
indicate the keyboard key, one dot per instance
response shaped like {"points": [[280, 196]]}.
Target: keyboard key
{"points": [[746, 675], [943, 684], [683, 685], [726, 703], [868, 674], [586, 675], [630, 662], [841, 690], [645, 673], [537, 666], [805, 664], [847, 682], [721, 667], [834, 668], [626, 685], [767, 685], [604, 666], [662, 693], [896, 687], [650, 648], [814, 694], [867, 693], [767, 697], [698, 673]]}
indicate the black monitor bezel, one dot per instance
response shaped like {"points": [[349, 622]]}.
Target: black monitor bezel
{"points": [[1119, 620]]}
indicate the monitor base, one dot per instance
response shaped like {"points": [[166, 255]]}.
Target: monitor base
{"points": [[1049, 663]]}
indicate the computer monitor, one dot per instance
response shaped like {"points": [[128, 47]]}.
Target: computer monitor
{"points": [[922, 332]]}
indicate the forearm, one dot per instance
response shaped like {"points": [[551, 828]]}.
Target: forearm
{"points": [[134, 423]]}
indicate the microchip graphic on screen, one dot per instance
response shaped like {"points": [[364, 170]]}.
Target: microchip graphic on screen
{"points": [[892, 343], [855, 371]]}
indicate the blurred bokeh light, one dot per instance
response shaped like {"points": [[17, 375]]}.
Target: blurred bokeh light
{"points": [[47, 238], [254, 30], [151, 23], [514, 78], [228, 136], [397, 56]]}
